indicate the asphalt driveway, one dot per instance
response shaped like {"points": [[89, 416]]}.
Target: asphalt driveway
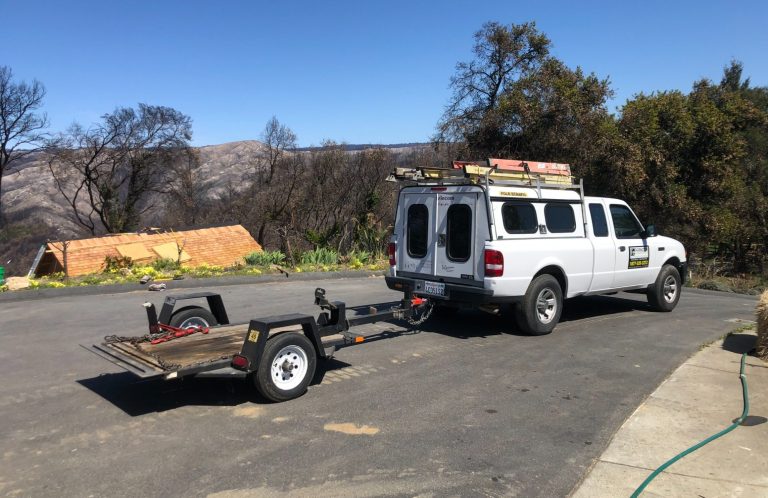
{"points": [[466, 407]]}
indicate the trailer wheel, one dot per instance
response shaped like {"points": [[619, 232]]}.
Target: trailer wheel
{"points": [[540, 309], [193, 316], [286, 368], [664, 294]]}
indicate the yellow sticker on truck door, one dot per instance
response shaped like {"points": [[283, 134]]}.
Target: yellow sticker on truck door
{"points": [[638, 257]]}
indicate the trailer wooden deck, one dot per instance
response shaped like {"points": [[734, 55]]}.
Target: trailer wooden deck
{"points": [[220, 343]]}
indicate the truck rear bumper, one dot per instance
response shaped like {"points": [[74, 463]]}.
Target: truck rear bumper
{"points": [[453, 292]]}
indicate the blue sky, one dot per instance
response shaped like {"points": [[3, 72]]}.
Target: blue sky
{"points": [[358, 72]]}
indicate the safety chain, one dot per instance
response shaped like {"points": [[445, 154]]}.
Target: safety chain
{"points": [[111, 339], [430, 307]]}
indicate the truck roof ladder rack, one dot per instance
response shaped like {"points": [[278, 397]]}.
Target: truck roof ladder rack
{"points": [[500, 172]]}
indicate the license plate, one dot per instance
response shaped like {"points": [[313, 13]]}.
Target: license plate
{"points": [[434, 288]]}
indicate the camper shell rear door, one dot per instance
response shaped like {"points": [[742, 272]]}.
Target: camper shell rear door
{"points": [[441, 233]]}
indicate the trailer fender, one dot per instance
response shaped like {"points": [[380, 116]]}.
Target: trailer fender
{"points": [[258, 334]]}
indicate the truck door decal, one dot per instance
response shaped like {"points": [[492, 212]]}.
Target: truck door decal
{"points": [[638, 257]]}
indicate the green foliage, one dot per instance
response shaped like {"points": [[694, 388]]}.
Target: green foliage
{"points": [[695, 163], [265, 258], [113, 264], [370, 237], [321, 256], [363, 257], [165, 265], [321, 238]]}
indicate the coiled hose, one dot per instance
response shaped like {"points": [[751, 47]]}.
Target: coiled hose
{"points": [[695, 447]]}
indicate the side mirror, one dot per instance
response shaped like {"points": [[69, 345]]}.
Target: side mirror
{"points": [[650, 231]]}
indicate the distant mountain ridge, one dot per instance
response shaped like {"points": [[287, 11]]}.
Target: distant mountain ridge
{"points": [[356, 147], [30, 195]]}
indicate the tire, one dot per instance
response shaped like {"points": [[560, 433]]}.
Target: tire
{"points": [[193, 316], [664, 294], [286, 368], [541, 307]]}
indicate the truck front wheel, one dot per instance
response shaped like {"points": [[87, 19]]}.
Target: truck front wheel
{"points": [[286, 368], [664, 294], [540, 309]]}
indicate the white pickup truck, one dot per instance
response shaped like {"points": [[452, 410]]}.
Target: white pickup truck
{"points": [[491, 242]]}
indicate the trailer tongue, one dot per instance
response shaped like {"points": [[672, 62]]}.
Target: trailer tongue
{"points": [[278, 352]]}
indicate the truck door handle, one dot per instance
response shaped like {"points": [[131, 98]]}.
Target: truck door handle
{"points": [[622, 248]]}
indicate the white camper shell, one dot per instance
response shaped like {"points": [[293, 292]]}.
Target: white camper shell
{"points": [[481, 238]]}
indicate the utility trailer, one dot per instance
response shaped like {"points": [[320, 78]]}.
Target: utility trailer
{"points": [[278, 353]]}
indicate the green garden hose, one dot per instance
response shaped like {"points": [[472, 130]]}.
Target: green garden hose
{"points": [[695, 447]]}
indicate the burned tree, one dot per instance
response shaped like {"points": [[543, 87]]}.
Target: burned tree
{"points": [[109, 173], [20, 127]]}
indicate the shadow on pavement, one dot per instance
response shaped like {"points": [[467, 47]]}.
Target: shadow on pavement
{"points": [[580, 308], [739, 343], [466, 324], [140, 397]]}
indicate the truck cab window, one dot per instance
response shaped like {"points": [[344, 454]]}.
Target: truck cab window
{"points": [[599, 223], [560, 218], [625, 224], [459, 232], [519, 217], [418, 226]]}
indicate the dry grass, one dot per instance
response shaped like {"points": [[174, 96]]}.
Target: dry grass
{"points": [[761, 347], [716, 275]]}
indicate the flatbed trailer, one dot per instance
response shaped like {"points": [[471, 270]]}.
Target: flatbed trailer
{"points": [[279, 353]]}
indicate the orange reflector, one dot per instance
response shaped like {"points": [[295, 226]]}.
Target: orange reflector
{"points": [[359, 339]]}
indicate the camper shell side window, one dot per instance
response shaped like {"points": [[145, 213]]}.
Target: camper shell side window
{"points": [[560, 218], [519, 217]]}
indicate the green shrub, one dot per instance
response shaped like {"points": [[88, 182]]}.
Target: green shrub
{"points": [[363, 257], [165, 264], [265, 258], [113, 264], [321, 256]]}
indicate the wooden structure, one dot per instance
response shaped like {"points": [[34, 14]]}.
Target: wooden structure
{"points": [[221, 246]]}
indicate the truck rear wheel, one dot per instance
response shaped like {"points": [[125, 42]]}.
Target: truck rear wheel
{"points": [[286, 368], [664, 294], [540, 309]]}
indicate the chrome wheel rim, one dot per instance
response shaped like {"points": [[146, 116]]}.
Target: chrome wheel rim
{"points": [[670, 289], [289, 367], [546, 305]]}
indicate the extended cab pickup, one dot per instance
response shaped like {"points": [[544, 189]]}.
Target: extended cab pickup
{"points": [[530, 244]]}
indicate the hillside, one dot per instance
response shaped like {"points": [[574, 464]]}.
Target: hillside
{"points": [[30, 197]]}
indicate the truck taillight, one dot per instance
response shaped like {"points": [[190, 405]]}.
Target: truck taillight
{"points": [[391, 248], [494, 263]]}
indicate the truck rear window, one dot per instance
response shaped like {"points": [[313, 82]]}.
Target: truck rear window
{"points": [[519, 217], [599, 223], [560, 218], [418, 230], [459, 232]]}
